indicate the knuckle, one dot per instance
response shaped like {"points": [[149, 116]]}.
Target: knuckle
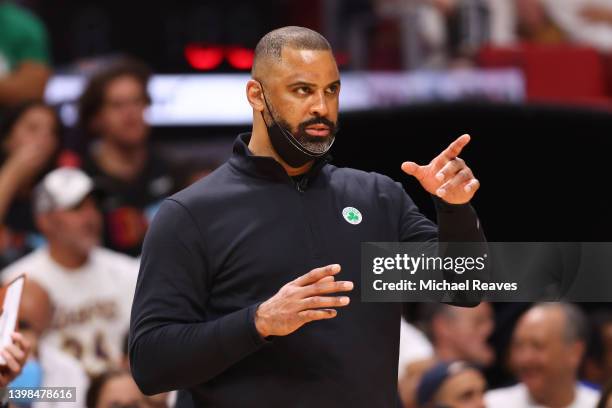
{"points": [[314, 301], [319, 287]]}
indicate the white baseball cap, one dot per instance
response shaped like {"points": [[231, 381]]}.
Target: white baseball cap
{"points": [[62, 189]]}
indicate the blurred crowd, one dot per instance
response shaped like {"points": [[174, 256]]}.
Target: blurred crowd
{"points": [[553, 355], [442, 33], [75, 205]]}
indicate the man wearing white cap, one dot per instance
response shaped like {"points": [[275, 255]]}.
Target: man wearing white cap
{"points": [[91, 288]]}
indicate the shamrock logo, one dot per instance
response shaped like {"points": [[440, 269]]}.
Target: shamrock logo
{"points": [[352, 215]]}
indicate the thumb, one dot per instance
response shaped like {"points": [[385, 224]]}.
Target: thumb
{"points": [[412, 169]]}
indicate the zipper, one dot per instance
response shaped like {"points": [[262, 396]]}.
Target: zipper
{"points": [[301, 185]]}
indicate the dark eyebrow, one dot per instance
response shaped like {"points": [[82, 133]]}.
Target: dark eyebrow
{"points": [[308, 84], [301, 83]]}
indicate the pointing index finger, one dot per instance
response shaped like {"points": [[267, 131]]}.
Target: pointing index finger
{"points": [[455, 148]]}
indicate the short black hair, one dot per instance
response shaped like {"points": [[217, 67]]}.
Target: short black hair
{"points": [[271, 45]]}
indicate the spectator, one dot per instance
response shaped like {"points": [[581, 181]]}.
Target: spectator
{"points": [[459, 333], [90, 287], [456, 334], [547, 348], [131, 176], [30, 139], [534, 24], [435, 33], [47, 366], [598, 361], [452, 385], [586, 22], [24, 55], [115, 389]]}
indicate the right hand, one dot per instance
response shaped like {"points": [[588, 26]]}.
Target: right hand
{"points": [[27, 161], [15, 355], [300, 302]]}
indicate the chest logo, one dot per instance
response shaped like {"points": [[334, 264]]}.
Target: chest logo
{"points": [[352, 215]]}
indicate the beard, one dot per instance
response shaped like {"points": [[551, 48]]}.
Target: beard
{"points": [[314, 144]]}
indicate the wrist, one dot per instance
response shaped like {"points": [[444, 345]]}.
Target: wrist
{"points": [[260, 324]]}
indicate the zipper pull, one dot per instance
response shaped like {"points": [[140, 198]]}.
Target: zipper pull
{"points": [[301, 185]]}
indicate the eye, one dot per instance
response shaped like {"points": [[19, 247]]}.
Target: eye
{"points": [[303, 90], [332, 90]]}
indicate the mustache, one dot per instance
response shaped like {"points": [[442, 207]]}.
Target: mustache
{"points": [[319, 121]]}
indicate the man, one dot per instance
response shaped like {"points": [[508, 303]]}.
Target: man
{"points": [[91, 288], [131, 177], [547, 348], [456, 333], [461, 333], [454, 384], [226, 309]]}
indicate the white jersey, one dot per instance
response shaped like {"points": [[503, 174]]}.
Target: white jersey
{"points": [[92, 303], [62, 370], [517, 396]]}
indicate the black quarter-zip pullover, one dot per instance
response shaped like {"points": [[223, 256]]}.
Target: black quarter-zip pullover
{"points": [[230, 241]]}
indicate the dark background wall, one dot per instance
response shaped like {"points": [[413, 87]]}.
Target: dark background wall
{"points": [[545, 171]]}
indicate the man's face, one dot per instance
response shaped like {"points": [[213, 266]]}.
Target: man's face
{"points": [[540, 353], [469, 329], [121, 118], [77, 229], [463, 390], [302, 91]]}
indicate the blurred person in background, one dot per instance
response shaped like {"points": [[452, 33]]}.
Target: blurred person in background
{"points": [[455, 333], [131, 176], [91, 288], [454, 384], [534, 24], [47, 366], [585, 22], [115, 389], [30, 140], [435, 33], [547, 348], [24, 55], [597, 368]]}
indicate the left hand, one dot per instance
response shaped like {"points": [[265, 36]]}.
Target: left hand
{"points": [[15, 355], [447, 176]]}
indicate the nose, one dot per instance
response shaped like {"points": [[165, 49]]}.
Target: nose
{"points": [[319, 106]]}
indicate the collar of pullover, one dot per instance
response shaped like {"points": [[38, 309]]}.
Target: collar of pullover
{"points": [[266, 167]]}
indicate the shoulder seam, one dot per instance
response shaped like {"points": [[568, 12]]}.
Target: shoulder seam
{"points": [[189, 214]]}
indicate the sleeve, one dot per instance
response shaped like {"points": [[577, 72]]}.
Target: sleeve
{"points": [[34, 42], [456, 222], [171, 343]]}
